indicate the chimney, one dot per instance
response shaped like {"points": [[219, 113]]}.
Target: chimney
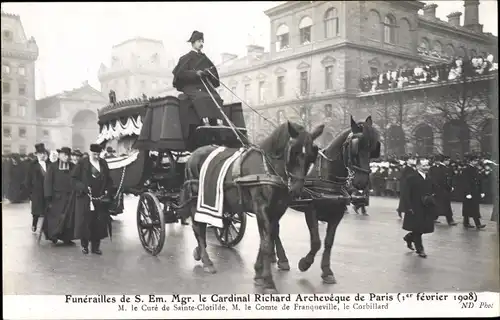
{"points": [[430, 10], [471, 17], [227, 57], [255, 51], [454, 18]]}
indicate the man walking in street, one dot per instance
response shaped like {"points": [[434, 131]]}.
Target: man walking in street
{"points": [[440, 173], [472, 194], [34, 184]]}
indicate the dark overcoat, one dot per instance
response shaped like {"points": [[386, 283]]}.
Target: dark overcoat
{"points": [[471, 184], [86, 227], [404, 173], [34, 185], [57, 188], [441, 176], [416, 193]]}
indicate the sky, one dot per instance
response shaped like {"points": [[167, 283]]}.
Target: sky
{"points": [[75, 38]]}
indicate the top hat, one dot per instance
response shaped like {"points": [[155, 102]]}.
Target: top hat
{"points": [[40, 148], [64, 150], [195, 36], [94, 147], [77, 153]]}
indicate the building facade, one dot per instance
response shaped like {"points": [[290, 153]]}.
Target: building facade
{"points": [[19, 54], [69, 118], [320, 50], [138, 66]]}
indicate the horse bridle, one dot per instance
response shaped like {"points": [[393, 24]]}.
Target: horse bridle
{"points": [[350, 153]]}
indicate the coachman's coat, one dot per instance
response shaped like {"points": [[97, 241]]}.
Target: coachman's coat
{"points": [[90, 225], [58, 189], [416, 194], [471, 184], [34, 184]]}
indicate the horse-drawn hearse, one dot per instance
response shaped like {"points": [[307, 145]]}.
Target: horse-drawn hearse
{"points": [[152, 139]]}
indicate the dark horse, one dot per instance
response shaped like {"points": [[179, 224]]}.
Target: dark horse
{"points": [[346, 159], [269, 175]]}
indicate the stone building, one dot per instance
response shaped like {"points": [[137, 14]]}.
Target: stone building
{"points": [[138, 66], [18, 86], [69, 118], [319, 51]]}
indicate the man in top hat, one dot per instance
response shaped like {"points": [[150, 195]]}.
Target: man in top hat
{"points": [[472, 193], [34, 184], [76, 155], [406, 170], [92, 186], [441, 175], [57, 190], [196, 76], [110, 153]]}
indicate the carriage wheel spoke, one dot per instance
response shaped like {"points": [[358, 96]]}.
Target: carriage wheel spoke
{"points": [[237, 230]]}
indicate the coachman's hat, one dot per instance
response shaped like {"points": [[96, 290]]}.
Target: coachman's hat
{"points": [[94, 147], [110, 149], [64, 150], [195, 36], [40, 148], [77, 153]]}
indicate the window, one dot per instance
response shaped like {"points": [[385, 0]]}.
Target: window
{"points": [[303, 113], [305, 30], [143, 84], [7, 35], [7, 133], [450, 50], [23, 149], [22, 89], [154, 58], [328, 111], [373, 71], [389, 29], [6, 108], [22, 110], [280, 83], [5, 68], [331, 21], [280, 117], [473, 53], [7, 149], [304, 85], [329, 78], [45, 133], [282, 38], [424, 44], [5, 87], [262, 89], [21, 70], [246, 93], [22, 133], [438, 47]]}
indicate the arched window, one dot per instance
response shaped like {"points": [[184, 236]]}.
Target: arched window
{"points": [[424, 44], [305, 30], [450, 50], [437, 47], [7, 35], [389, 29], [373, 25], [328, 111], [331, 22], [282, 37], [424, 140]]}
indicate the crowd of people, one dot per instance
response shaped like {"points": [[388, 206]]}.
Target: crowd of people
{"points": [[71, 190], [455, 69]]}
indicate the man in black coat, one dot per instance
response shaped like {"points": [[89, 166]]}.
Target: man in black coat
{"points": [[406, 170], [417, 193], [57, 191], [34, 184], [440, 173], [472, 194], [196, 76]]}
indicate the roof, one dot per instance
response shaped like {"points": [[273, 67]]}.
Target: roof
{"points": [[11, 15], [68, 94], [138, 39]]}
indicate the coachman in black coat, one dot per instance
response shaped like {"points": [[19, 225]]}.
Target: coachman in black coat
{"points": [[472, 195], [191, 69], [34, 184], [90, 178], [417, 193], [441, 176], [58, 197]]}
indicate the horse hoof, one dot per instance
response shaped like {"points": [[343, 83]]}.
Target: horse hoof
{"points": [[196, 254], [259, 282], [304, 265], [270, 291], [209, 269], [283, 266], [329, 279]]}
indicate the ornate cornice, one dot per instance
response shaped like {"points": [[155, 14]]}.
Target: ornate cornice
{"points": [[24, 55]]}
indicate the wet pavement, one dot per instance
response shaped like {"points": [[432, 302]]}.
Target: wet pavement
{"points": [[369, 255]]}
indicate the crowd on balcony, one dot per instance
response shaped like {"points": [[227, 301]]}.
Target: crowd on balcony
{"points": [[456, 69]]}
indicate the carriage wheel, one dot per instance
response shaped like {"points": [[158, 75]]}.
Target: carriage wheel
{"points": [[233, 230], [150, 223]]}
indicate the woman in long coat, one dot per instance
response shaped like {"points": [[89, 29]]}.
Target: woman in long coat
{"points": [[90, 178], [417, 195]]}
